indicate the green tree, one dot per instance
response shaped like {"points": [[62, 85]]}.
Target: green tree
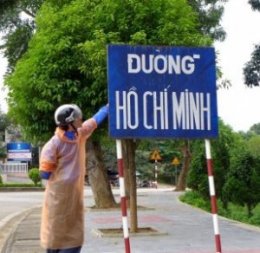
{"points": [[255, 129], [59, 74], [252, 67], [4, 124], [253, 145], [243, 180], [210, 13], [255, 4], [17, 24], [4, 121], [221, 154]]}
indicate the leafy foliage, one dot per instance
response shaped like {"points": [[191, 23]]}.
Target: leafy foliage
{"points": [[221, 153], [195, 199], [210, 13], [2, 152], [255, 4], [235, 212], [237, 170], [4, 121], [66, 59], [4, 124], [17, 23], [243, 181], [34, 175], [252, 68], [253, 145], [255, 129]]}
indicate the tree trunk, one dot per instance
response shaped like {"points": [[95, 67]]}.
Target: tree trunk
{"points": [[98, 177], [129, 147], [181, 184]]}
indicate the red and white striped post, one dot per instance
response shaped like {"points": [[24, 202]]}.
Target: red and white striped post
{"points": [[213, 198], [155, 174], [122, 194]]}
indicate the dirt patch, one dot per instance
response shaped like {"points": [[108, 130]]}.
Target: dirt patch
{"points": [[118, 232], [117, 207]]}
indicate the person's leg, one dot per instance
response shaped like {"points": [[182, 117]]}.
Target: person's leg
{"points": [[52, 251], [71, 250]]}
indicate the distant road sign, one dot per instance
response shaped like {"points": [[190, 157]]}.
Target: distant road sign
{"points": [[175, 161], [162, 92], [19, 151], [155, 156]]}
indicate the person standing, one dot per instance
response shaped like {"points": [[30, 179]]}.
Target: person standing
{"points": [[62, 164]]}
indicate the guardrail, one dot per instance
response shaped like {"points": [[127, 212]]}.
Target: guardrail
{"points": [[14, 168]]}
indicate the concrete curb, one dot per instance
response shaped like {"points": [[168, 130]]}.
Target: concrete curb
{"points": [[21, 189], [118, 232], [8, 226]]}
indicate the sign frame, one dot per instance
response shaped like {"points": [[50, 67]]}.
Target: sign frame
{"points": [[162, 92]]}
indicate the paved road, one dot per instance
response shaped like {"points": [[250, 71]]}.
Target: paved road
{"points": [[12, 202], [179, 227]]}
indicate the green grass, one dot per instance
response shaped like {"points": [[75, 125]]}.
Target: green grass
{"points": [[9, 185], [234, 212]]}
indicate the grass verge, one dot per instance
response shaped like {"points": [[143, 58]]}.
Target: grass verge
{"points": [[234, 212], [8, 185]]}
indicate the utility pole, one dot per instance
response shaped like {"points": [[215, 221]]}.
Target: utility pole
{"points": [[155, 157], [175, 163]]}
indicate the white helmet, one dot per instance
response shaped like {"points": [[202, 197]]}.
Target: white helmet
{"points": [[66, 114]]}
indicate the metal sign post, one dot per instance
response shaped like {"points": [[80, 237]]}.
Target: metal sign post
{"points": [[122, 194], [163, 92], [155, 156], [213, 198], [155, 174]]}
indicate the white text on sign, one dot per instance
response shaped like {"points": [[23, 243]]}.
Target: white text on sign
{"points": [[161, 64], [188, 110]]}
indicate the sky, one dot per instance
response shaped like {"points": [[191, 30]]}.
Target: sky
{"points": [[238, 106]]}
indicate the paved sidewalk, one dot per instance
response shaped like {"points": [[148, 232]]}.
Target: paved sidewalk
{"points": [[180, 229]]}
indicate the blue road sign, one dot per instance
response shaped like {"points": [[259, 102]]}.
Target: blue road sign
{"points": [[162, 92], [19, 151]]}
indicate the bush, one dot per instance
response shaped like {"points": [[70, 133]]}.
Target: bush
{"points": [[234, 211], [1, 180], [34, 175], [195, 199]]}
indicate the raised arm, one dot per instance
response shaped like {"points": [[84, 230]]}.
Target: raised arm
{"points": [[91, 124], [100, 116]]}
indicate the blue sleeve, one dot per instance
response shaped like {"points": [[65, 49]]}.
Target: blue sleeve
{"points": [[101, 114], [45, 174]]}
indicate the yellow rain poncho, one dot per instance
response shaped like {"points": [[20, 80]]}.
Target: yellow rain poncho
{"points": [[63, 209]]}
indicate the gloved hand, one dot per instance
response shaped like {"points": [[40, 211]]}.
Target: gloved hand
{"points": [[101, 114], [45, 174]]}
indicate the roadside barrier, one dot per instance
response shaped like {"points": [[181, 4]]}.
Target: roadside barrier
{"points": [[14, 168]]}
